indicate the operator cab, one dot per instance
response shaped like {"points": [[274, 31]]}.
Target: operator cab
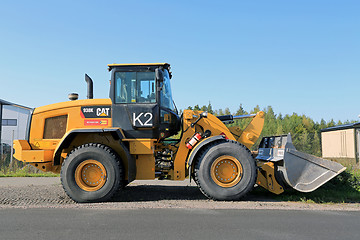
{"points": [[142, 104]]}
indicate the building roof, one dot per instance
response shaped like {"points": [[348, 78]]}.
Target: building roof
{"points": [[3, 102], [342, 127]]}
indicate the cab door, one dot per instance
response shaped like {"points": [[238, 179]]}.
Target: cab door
{"points": [[135, 108]]}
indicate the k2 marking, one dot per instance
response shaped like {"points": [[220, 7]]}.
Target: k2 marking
{"points": [[147, 117]]}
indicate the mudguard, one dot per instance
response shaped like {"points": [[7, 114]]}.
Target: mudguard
{"points": [[116, 134], [199, 146]]}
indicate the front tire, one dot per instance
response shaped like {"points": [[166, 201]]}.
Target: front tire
{"points": [[225, 170], [91, 173]]}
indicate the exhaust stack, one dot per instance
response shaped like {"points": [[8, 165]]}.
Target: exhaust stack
{"points": [[90, 92]]}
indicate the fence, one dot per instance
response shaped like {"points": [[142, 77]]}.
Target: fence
{"points": [[8, 164]]}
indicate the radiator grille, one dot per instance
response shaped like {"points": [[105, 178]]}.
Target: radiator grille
{"points": [[55, 127]]}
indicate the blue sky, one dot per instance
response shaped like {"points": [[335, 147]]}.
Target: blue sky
{"points": [[297, 56]]}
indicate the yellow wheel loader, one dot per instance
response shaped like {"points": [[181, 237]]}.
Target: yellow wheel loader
{"points": [[100, 145]]}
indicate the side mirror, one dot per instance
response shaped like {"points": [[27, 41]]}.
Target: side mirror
{"points": [[159, 75]]}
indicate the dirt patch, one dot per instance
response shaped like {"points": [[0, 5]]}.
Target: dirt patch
{"points": [[48, 192]]}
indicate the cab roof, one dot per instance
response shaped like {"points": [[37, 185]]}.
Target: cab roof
{"points": [[126, 65]]}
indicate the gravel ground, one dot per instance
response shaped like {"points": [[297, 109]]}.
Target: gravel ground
{"points": [[48, 193]]}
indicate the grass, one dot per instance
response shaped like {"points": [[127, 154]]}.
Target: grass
{"points": [[27, 171], [22, 173], [19, 169], [344, 188]]}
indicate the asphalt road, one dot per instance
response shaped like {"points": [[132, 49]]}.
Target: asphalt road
{"points": [[38, 208], [167, 224]]}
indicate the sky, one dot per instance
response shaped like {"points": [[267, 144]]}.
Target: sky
{"points": [[296, 56]]}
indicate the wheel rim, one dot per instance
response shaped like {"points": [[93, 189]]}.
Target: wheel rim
{"points": [[90, 175], [226, 171]]}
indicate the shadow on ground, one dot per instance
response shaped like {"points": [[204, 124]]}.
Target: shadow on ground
{"points": [[140, 193], [155, 193]]}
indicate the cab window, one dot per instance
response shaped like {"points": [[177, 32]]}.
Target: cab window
{"points": [[135, 87], [166, 99]]}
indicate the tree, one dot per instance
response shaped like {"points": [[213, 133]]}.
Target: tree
{"points": [[316, 145], [241, 111], [331, 123], [204, 108], [256, 109], [306, 133], [196, 107], [210, 109], [322, 124], [227, 111], [270, 124], [279, 130]]}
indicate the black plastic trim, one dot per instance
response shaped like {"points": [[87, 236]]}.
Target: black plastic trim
{"points": [[200, 146], [226, 117]]}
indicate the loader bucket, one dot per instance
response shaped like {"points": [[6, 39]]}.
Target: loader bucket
{"points": [[300, 171]]}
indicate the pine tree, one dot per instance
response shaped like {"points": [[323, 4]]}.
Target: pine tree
{"points": [[331, 123], [241, 111], [210, 109], [256, 109], [270, 124], [322, 124], [316, 145], [227, 111], [204, 108]]}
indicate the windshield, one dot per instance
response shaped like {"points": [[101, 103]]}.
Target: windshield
{"points": [[139, 87], [135, 87], [166, 99]]}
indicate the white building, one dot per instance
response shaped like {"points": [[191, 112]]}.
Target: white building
{"points": [[342, 143], [14, 122]]}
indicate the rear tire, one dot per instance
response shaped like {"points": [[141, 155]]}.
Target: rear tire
{"points": [[225, 170], [91, 173]]}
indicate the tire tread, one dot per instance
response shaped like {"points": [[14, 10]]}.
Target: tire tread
{"points": [[201, 156], [112, 153]]}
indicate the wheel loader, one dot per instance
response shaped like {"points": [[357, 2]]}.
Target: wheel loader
{"points": [[100, 145]]}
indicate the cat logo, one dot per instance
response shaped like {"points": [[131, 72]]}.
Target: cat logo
{"points": [[95, 112], [102, 112]]}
